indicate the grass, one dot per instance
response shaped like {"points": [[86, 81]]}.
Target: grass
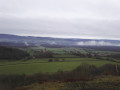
{"points": [[37, 67], [44, 86], [101, 83], [66, 56], [42, 65]]}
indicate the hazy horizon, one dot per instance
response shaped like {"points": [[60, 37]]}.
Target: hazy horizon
{"points": [[57, 37]]}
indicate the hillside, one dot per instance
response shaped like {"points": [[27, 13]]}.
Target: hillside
{"points": [[15, 40], [12, 53]]}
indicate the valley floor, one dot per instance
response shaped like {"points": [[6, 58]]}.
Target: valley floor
{"points": [[43, 65]]}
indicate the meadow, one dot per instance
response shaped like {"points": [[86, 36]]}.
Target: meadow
{"points": [[59, 69], [33, 66], [62, 60]]}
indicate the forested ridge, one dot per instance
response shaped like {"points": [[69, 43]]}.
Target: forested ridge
{"points": [[7, 53]]}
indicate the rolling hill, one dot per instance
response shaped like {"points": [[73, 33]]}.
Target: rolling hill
{"points": [[15, 40]]}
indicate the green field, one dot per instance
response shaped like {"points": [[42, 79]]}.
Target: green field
{"points": [[66, 56], [42, 65], [65, 61], [49, 62], [68, 49]]}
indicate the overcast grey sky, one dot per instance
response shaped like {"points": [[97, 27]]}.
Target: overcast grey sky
{"points": [[99, 19]]}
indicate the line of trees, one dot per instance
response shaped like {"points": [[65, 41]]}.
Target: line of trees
{"points": [[12, 53], [7, 53]]}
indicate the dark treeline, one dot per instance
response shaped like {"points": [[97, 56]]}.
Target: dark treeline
{"points": [[78, 53], [116, 56], [8, 53], [12, 53], [84, 72]]}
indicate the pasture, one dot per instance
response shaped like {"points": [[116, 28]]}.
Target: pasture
{"points": [[62, 59], [42, 65]]}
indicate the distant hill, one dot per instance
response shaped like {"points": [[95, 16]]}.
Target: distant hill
{"points": [[15, 40]]}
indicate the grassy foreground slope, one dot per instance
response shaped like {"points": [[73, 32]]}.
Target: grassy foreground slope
{"points": [[102, 83], [83, 77]]}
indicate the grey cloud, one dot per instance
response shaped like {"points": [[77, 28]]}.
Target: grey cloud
{"points": [[78, 28], [63, 18]]}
